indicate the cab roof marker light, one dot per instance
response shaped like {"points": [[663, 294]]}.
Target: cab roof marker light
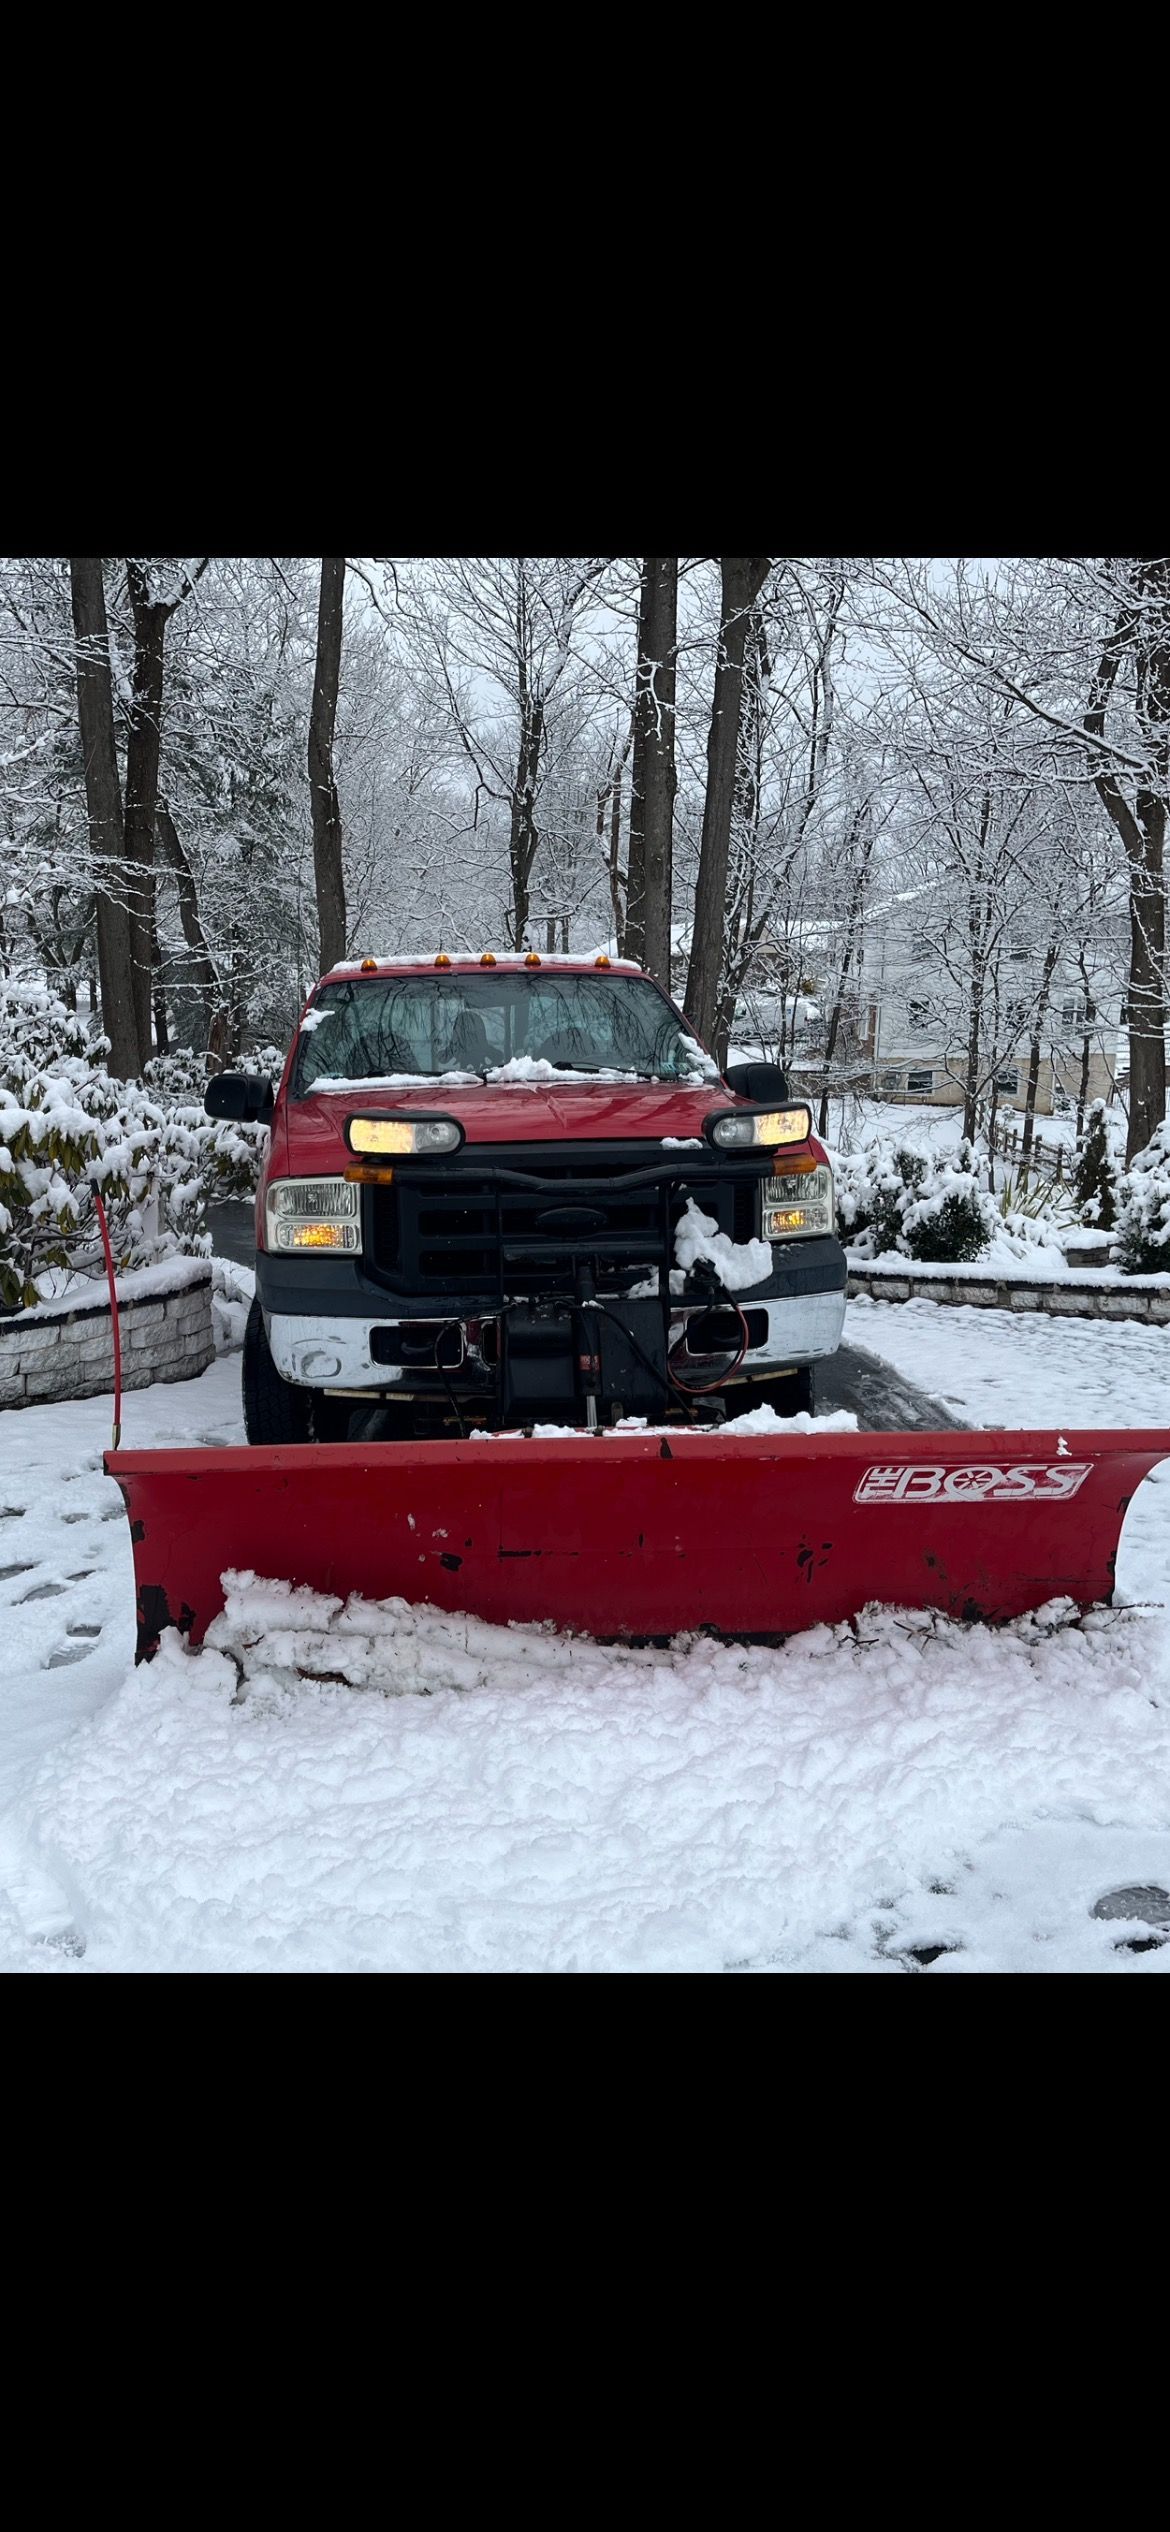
{"points": [[442, 960], [368, 966], [488, 959], [533, 959], [602, 961]]}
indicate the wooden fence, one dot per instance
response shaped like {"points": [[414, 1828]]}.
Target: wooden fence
{"points": [[1045, 1160]]}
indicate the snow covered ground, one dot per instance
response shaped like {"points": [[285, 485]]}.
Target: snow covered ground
{"points": [[908, 1795]]}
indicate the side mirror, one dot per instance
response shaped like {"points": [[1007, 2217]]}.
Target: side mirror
{"points": [[245, 1097], [761, 1082]]}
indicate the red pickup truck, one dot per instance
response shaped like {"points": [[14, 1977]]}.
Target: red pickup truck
{"points": [[516, 1189]]}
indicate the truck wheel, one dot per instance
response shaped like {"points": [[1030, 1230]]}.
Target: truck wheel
{"points": [[277, 1410]]}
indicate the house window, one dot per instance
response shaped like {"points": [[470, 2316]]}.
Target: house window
{"points": [[1009, 1081], [1072, 1011], [890, 1081], [918, 1014], [920, 1080]]}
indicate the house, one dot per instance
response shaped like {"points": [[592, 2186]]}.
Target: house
{"points": [[902, 1031]]}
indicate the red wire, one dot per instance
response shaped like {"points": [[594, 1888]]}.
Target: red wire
{"points": [[104, 1228]]}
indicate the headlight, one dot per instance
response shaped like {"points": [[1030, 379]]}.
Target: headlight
{"points": [[735, 1131], [799, 1203], [404, 1134], [312, 1216]]}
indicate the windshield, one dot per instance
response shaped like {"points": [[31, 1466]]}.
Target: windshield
{"points": [[408, 1029]]}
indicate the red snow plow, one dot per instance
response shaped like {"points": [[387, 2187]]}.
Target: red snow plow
{"points": [[513, 1200], [643, 1534]]}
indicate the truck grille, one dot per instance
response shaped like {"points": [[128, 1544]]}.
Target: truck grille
{"points": [[471, 1236]]}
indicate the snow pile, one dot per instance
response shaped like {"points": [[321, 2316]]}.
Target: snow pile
{"points": [[738, 1428], [739, 1264], [342, 1786], [1143, 1208], [536, 1068], [327, 1082], [232, 1290], [872, 1799]]}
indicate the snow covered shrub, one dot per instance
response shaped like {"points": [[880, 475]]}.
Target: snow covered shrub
{"points": [[1099, 1167], [895, 1177], [1143, 1208], [177, 1079], [933, 1210], [949, 1220], [851, 1193], [226, 1157], [67, 1129], [231, 1156]]}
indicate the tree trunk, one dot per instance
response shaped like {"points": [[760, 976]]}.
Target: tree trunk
{"points": [[103, 799], [1143, 628], [143, 748], [659, 779], [523, 835], [742, 578], [1147, 993], [864, 831], [1051, 955], [324, 805], [971, 1080], [159, 998], [635, 923], [201, 975], [614, 864]]}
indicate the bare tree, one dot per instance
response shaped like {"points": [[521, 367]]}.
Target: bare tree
{"points": [[1141, 630], [152, 606], [503, 632], [653, 780], [103, 795], [742, 580], [326, 811], [1041, 635]]}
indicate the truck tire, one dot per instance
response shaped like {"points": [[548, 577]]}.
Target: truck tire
{"points": [[277, 1410]]}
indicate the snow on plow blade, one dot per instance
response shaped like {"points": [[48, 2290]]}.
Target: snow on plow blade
{"points": [[642, 1534]]}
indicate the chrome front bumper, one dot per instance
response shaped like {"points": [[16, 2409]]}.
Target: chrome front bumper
{"points": [[334, 1353]]}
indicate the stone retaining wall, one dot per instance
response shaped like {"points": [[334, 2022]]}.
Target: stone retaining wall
{"points": [[57, 1354], [1061, 1301]]}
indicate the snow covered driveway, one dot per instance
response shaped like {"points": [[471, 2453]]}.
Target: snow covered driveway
{"points": [[506, 1799]]}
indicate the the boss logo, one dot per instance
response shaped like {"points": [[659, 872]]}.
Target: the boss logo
{"points": [[975, 1482]]}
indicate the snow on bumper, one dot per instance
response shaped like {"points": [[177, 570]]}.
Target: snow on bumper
{"points": [[322, 1352]]}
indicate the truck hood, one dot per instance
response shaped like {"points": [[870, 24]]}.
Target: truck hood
{"points": [[511, 1112]]}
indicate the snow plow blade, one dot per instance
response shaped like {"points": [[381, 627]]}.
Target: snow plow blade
{"points": [[642, 1534]]}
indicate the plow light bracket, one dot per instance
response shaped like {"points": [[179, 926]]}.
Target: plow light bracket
{"points": [[735, 1129], [403, 1135]]}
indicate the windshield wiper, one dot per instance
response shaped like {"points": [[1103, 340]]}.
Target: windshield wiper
{"points": [[566, 1064]]}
